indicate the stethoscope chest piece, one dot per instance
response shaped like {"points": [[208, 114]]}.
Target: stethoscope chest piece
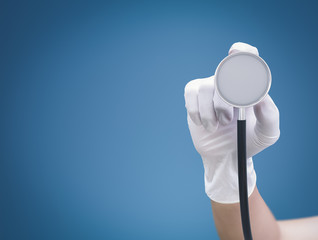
{"points": [[242, 79]]}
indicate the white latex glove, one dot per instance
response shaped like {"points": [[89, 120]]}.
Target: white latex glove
{"points": [[212, 124]]}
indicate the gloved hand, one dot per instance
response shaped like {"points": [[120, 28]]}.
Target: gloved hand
{"points": [[212, 124]]}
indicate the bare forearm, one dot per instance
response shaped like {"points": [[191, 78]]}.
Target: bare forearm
{"points": [[227, 219], [305, 228]]}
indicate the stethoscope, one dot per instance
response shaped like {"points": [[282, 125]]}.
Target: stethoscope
{"points": [[242, 80]]}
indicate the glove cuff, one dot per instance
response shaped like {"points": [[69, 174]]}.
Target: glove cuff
{"points": [[221, 179]]}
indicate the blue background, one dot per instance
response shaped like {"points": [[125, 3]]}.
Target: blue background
{"points": [[94, 139]]}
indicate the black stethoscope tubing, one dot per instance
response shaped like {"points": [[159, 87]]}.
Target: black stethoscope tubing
{"points": [[242, 179]]}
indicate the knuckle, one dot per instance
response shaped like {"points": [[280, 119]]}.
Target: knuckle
{"points": [[191, 86], [192, 111], [205, 118], [206, 88], [200, 83]]}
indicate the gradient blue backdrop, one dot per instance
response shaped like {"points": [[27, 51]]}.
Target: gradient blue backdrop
{"points": [[94, 139]]}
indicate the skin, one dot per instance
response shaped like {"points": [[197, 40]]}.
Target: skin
{"points": [[305, 228], [264, 226]]}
